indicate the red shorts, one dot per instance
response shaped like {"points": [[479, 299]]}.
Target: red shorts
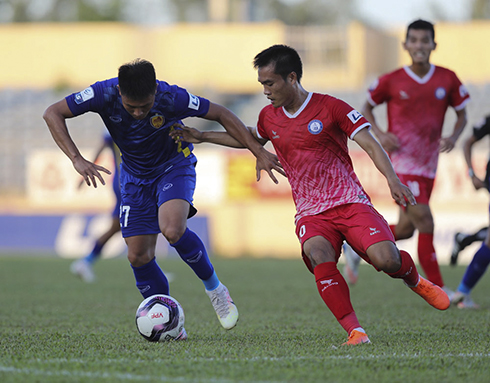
{"points": [[360, 225], [421, 187]]}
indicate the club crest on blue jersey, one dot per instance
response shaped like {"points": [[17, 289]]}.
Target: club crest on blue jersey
{"points": [[315, 126], [157, 121], [440, 93], [84, 95]]}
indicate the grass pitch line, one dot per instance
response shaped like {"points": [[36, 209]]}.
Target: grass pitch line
{"points": [[106, 375]]}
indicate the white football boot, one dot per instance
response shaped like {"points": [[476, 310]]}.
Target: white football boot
{"points": [[83, 269], [224, 306]]}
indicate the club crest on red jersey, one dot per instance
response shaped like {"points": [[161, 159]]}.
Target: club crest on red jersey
{"points": [[157, 121], [440, 93], [315, 126]]}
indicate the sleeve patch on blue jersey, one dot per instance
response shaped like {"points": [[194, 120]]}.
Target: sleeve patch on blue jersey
{"points": [[354, 116], [194, 101], [84, 95]]}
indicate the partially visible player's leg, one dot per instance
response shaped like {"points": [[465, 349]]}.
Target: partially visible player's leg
{"points": [[421, 216], [150, 279], [139, 225], [321, 257], [462, 240], [175, 206], [404, 228], [351, 266], [473, 274], [406, 270], [84, 267], [377, 245], [331, 285]]}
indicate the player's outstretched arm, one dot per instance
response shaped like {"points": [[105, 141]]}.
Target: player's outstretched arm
{"points": [[447, 144], [368, 143], [237, 129], [181, 132], [55, 117]]}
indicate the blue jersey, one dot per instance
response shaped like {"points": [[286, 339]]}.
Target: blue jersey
{"points": [[145, 145]]}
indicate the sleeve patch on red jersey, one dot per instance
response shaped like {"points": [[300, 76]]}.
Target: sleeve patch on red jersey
{"points": [[373, 85], [354, 116], [463, 91]]}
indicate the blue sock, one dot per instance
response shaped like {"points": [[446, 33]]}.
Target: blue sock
{"points": [[211, 283], [192, 251], [95, 254], [150, 279], [475, 269]]}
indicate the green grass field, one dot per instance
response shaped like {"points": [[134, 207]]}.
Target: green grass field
{"points": [[55, 328]]}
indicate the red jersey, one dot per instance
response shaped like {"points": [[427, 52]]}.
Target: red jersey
{"points": [[416, 110], [312, 148]]}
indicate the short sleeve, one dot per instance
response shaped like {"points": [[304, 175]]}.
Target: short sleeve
{"points": [[378, 91]]}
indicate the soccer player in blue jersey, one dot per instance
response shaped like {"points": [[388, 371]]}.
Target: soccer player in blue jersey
{"points": [[83, 267], [479, 264], [157, 175]]}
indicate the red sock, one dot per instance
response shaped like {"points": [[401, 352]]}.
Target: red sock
{"points": [[392, 228], [335, 293], [428, 258], [408, 272]]}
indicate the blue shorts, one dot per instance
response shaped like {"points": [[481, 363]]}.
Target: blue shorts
{"points": [[141, 198]]}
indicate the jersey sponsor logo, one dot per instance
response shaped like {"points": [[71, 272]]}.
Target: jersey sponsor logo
{"points": [[157, 121], [275, 135], [328, 283], [144, 289], [463, 92], [354, 116], [440, 93], [315, 126], [193, 101], [404, 95], [115, 119], [167, 186], [84, 95], [374, 231]]}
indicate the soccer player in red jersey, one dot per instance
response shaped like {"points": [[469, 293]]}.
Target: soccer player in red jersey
{"points": [[309, 132], [417, 97]]}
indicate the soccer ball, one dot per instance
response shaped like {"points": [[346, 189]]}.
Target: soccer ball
{"points": [[160, 318]]}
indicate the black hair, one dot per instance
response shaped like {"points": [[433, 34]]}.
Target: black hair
{"points": [[424, 25], [285, 59], [137, 79]]}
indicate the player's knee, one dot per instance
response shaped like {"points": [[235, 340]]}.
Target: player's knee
{"points": [[138, 259], [173, 232], [390, 264], [385, 257]]}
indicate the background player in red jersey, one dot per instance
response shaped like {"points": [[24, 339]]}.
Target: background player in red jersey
{"points": [[309, 132], [417, 98]]}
